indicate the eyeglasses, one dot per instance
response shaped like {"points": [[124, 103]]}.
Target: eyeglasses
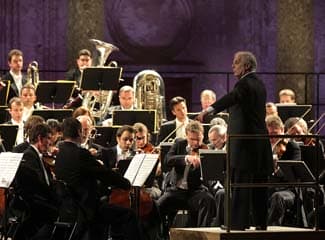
{"points": [[140, 138]]}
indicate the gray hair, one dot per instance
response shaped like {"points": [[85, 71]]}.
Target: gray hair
{"points": [[248, 59]]}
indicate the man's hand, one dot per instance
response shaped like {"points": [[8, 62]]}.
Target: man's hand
{"points": [[193, 160], [201, 116]]}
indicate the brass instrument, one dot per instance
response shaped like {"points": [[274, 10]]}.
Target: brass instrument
{"points": [[149, 91], [33, 73], [101, 98]]}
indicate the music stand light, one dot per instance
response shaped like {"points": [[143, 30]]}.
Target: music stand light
{"points": [[54, 92], [101, 78], [8, 133]]}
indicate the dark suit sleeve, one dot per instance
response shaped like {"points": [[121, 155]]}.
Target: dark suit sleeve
{"points": [[105, 175], [176, 155]]}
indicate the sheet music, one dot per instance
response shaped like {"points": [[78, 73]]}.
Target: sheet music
{"points": [[9, 163], [140, 168]]}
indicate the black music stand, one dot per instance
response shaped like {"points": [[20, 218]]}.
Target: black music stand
{"points": [[4, 114], [59, 114], [106, 136], [309, 156], [4, 92], [54, 92], [8, 133], [295, 171], [286, 111], [101, 78], [123, 165], [207, 118], [130, 117], [213, 165]]}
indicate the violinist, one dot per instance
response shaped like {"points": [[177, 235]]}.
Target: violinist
{"points": [[281, 200], [34, 183], [142, 145], [185, 188]]}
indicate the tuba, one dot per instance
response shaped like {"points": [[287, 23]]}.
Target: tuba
{"points": [[98, 102], [33, 73], [149, 91]]}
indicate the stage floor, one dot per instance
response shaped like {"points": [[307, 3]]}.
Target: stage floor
{"points": [[272, 233]]}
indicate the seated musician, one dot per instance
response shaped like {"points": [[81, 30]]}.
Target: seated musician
{"points": [[185, 189], [126, 100], [217, 137], [87, 137], [31, 122], [80, 170], [28, 97], [175, 128], [281, 199], [123, 150], [142, 145], [16, 108], [34, 184]]}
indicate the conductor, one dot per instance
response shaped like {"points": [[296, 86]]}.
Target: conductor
{"points": [[250, 159]]}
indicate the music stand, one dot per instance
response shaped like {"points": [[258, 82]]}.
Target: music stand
{"points": [[4, 92], [4, 114], [213, 165], [54, 92], [164, 148], [101, 78], [207, 118], [106, 136], [8, 134], [296, 171], [130, 117], [59, 114], [286, 111], [123, 165], [309, 156]]}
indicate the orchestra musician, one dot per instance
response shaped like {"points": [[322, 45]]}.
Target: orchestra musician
{"points": [[217, 137], [80, 170], [281, 200], [185, 189], [28, 97], [15, 76], [175, 128], [34, 184], [16, 108], [250, 159]]}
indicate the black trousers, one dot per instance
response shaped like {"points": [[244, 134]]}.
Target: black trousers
{"points": [[200, 204], [249, 205]]}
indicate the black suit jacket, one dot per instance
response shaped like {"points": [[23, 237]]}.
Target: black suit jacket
{"points": [[246, 103], [175, 161], [80, 170], [13, 91], [165, 130]]}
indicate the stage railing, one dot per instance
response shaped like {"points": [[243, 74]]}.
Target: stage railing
{"points": [[229, 185]]}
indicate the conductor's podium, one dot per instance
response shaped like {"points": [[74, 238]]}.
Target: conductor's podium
{"points": [[272, 233]]}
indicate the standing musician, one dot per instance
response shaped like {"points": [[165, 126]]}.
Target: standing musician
{"points": [[80, 170], [185, 189], [15, 75]]}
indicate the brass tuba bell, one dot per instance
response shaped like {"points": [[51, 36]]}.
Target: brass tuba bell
{"points": [[100, 99], [149, 91]]}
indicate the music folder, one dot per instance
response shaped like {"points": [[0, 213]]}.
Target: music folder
{"points": [[101, 78], [9, 163], [8, 133], [130, 117], [59, 114], [140, 168], [54, 92], [296, 171], [213, 164]]}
